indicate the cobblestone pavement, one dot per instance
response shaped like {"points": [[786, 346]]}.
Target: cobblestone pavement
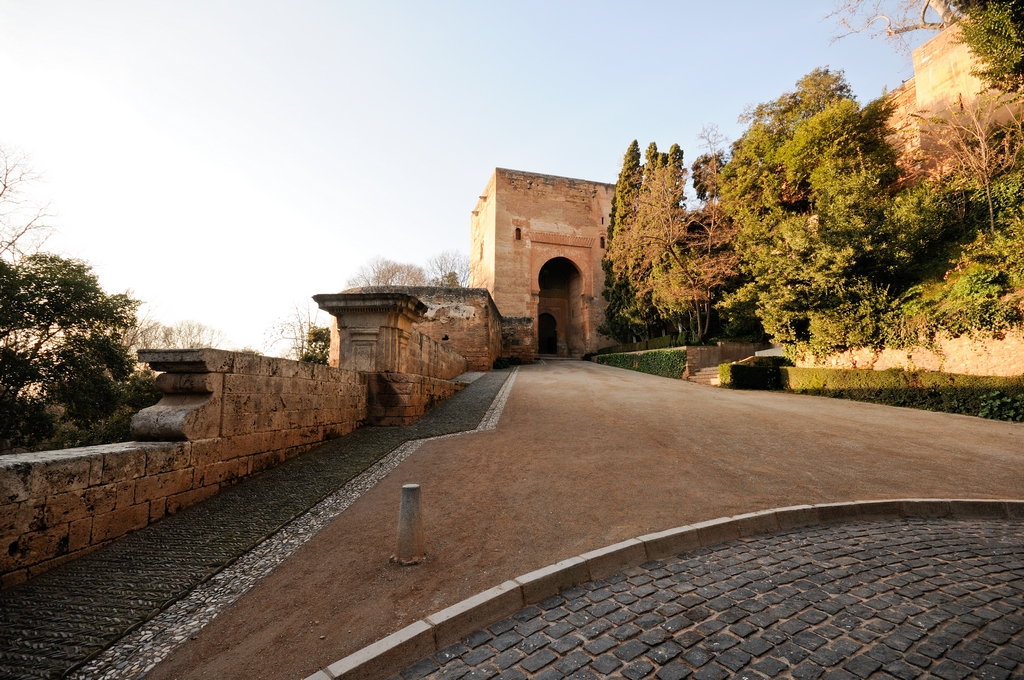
{"points": [[902, 599], [58, 621]]}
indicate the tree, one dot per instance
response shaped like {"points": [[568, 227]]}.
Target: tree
{"points": [[627, 315], [680, 257], [61, 351], [305, 336], [828, 238], [185, 334], [380, 271], [896, 18], [449, 269], [23, 219], [995, 33], [983, 140]]}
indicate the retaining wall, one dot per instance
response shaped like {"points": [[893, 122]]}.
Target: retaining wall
{"points": [[970, 356]]}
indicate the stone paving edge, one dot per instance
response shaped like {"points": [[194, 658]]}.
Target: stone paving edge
{"points": [[392, 654]]}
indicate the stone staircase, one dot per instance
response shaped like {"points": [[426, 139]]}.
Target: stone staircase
{"points": [[706, 376]]}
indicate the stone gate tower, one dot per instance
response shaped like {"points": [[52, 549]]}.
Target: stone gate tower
{"points": [[537, 243]]}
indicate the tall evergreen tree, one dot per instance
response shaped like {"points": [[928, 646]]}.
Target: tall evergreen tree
{"points": [[625, 318]]}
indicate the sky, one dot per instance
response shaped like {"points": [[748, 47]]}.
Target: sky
{"points": [[225, 161]]}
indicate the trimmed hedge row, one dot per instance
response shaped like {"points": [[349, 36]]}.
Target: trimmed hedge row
{"points": [[999, 398], [669, 363]]}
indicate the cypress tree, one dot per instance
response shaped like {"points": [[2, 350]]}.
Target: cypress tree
{"points": [[625, 317]]}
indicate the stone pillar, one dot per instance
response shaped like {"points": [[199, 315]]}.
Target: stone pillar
{"points": [[370, 331]]}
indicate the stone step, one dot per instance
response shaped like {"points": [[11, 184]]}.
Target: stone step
{"points": [[706, 376]]}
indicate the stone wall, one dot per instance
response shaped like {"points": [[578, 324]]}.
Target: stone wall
{"points": [[970, 356], [227, 416], [519, 338], [698, 357]]}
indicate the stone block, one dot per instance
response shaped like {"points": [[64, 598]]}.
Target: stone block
{"points": [[612, 559], [181, 501], [452, 624], [157, 509], [125, 494], [20, 518], [755, 523], [163, 485], [188, 360], [79, 534], [14, 482], [33, 547], [884, 509], [119, 466], [387, 656], [717, 531], [68, 507], [833, 513], [160, 460], [188, 383], [59, 475], [216, 473], [670, 542], [179, 417], [543, 583], [977, 509], [119, 522], [797, 517], [1015, 509], [14, 578]]}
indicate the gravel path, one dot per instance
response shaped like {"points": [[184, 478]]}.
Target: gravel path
{"points": [[69, 615]]}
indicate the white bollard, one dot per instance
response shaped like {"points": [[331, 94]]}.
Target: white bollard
{"points": [[410, 528]]}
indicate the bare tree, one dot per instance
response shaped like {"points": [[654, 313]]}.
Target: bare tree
{"points": [[186, 334], [983, 140], [449, 269], [23, 220], [380, 271], [300, 332], [894, 18]]}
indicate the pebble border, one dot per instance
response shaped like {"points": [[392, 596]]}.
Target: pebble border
{"points": [[397, 651], [137, 653]]}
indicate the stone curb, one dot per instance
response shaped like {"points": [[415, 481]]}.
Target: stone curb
{"points": [[397, 651]]}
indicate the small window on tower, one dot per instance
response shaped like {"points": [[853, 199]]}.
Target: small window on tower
{"points": [[519, 234], [602, 241], [602, 220]]}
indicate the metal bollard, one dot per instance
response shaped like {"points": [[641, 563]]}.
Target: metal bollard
{"points": [[410, 528]]}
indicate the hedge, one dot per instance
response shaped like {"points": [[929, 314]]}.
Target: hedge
{"points": [[669, 363], [1000, 398], [743, 377]]}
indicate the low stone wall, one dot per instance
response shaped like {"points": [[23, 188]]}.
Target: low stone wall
{"points": [[969, 356], [224, 416], [401, 398], [698, 357], [429, 358]]}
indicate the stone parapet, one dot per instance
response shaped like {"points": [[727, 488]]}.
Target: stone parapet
{"points": [[402, 398], [519, 338], [224, 416]]}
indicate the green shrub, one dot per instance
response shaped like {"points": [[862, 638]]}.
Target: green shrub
{"points": [[505, 362], [743, 376], [669, 363], [994, 397]]}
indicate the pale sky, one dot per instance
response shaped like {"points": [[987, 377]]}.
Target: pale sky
{"points": [[227, 160]]}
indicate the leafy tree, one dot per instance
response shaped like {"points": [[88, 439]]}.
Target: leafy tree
{"points": [[673, 257], [62, 358], [318, 345], [826, 235], [995, 33], [305, 338]]}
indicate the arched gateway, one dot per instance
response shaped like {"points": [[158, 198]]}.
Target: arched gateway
{"points": [[537, 246]]}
